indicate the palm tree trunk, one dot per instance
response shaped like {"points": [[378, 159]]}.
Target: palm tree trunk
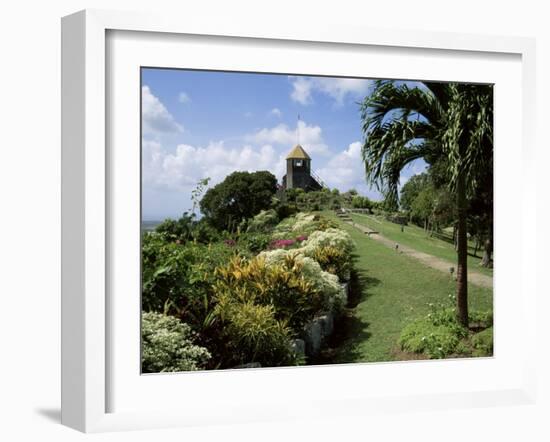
{"points": [[455, 237], [462, 250]]}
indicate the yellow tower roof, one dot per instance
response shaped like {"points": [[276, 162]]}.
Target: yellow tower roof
{"points": [[298, 153]]}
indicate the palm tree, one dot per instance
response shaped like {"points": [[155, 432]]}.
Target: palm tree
{"points": [[446, 124]]}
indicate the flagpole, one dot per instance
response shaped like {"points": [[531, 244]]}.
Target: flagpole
{"points": [[298, 130]]}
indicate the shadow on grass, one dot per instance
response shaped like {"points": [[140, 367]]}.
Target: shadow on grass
{"points": [[443, 237], [449, 239], [360, 283], [349, 330], [343, 345]]}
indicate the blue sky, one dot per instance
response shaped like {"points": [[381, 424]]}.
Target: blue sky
{"points": [[198, 124]]}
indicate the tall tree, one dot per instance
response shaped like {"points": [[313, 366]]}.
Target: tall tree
{"points": [[423, 206], [468, 143], [239, 196], [449, 126], [411, 189]]}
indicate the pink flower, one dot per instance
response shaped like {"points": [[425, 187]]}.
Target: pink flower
{"points": [[281, 243]]}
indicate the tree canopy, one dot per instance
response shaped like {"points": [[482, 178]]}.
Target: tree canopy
{"points": [[411, 189], [239, 196]]}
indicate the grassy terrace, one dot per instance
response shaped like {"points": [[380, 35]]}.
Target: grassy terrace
{"points": [[415, 237], [390, 290]]}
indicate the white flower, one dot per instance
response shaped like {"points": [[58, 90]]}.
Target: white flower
{"points": [[336, 238], [325, 282]]}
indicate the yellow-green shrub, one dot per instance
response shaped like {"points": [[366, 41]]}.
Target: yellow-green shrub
{"points": [[332, 260], [325, 283], [284, 286], [253, 334]]}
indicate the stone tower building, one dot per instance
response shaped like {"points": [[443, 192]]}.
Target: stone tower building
{"points": [[298, 171]]}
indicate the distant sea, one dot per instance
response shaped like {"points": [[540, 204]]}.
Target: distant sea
{"points": [[147, 226]]}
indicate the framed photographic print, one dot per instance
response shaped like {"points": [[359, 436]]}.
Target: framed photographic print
{"points": [[282, 223]]}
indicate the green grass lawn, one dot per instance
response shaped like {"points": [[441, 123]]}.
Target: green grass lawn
{"points": [[390, 291], [415, 238]]}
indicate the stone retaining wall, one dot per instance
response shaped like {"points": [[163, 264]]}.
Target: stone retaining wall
{"points": [[319, 329], [315, 333]]}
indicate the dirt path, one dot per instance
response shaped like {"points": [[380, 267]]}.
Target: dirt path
{"points": [[474, 277]]}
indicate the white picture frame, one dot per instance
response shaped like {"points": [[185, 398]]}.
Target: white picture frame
{"points": [[87, 207]]}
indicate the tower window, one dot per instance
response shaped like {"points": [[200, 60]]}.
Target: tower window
{"points": [[298, 163]]}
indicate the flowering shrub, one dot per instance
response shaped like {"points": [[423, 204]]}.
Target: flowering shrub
{"points": [[304, 216], [325, 283], [336, 238], [332, 249], [302, 224], [230, 306], [439, 334], [264, 221], [305, 224], [286, 243], [332, 260], [281, 243], [284, 228], [261, 305], [436, 341], [294, 297], [168, 345]]}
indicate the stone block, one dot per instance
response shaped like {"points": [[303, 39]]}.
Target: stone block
{"points": [[345, 290], [327, 324], [298, 346], [313, 337]]}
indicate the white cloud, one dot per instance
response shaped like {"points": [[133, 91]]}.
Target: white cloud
{"points": [[345, 170], [152, 154], [301, 90], [310, 137], [180, 170], [276, 112], [156, 118], [337, 88], [169, 175], [184, 98]]}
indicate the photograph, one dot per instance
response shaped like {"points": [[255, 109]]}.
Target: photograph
{"points": [[293, 220]]}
